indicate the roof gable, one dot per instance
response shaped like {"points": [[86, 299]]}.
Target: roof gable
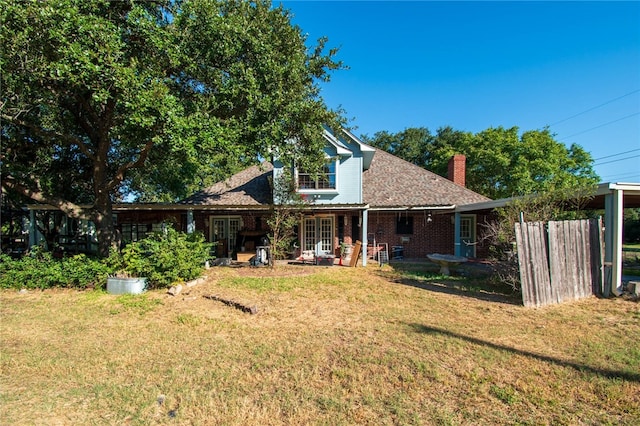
{"points": [[394, 182], [250, 187], [389, 182], [366, 150]]}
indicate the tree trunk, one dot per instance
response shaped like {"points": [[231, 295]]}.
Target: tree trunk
{"points": [[105, 227]]}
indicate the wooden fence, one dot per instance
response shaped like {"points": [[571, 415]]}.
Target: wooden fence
{"points": [[559, 260]]}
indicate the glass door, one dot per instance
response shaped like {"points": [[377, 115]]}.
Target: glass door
{"points": [[468, 235], [223, 232], [318, 234]]}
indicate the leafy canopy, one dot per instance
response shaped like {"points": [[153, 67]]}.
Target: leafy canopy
{"points": [[102, 99], [500, 162]]}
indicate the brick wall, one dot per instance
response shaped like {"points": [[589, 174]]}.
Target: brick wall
{"points": [[427, 237]]}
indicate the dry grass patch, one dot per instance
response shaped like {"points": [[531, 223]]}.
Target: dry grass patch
{"points": [[328, 346]]}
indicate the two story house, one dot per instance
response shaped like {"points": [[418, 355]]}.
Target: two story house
{"points": [[364, 194]]}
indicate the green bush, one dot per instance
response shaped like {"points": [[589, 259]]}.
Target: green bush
{"points": [[165, 258], [40, 270]]}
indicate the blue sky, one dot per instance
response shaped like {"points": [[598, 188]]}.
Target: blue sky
{"points": [[573, 66]]}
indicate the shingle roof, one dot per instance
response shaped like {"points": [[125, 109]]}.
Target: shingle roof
{"points": [[389, 182], [249, 187], [394, 182]]}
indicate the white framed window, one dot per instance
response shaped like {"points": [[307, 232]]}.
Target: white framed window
{"points": [[327, 179]]}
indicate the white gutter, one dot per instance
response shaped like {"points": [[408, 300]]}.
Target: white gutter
{"points": [[486, 205], [203, 207], [411, 208], [606, 188]]}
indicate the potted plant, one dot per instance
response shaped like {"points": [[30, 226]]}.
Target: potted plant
{"points": [[128, 278], [345, 251], [158, 261], [119, 283]]}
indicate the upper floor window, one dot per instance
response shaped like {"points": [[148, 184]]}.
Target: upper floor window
{"points": [[324, 180]]}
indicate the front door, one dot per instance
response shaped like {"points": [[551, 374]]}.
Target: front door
{"points": [[468, 235], [223, 232], [317, 234]]}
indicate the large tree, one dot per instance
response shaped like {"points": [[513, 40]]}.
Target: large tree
{"points": [[153, 98], [501, 162]]}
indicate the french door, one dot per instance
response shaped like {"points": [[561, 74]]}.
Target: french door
{"points": [[317, 234], [224, 231]]}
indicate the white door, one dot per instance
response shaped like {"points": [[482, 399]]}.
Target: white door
{"points": [[317, 234]]}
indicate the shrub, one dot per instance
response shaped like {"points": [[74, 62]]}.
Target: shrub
{"points": [[165, 257], [40, 270]]}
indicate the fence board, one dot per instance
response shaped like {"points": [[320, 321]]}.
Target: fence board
{"points": [[534, 270], [597, 256], [526, 281], [541, 264], [559, 262]]}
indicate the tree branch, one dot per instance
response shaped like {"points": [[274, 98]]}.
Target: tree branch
{"points": [[119, 176], [65, 139], [36, 194]]}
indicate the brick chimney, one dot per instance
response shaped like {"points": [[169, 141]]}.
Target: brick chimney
{"points": [[457, 169]]}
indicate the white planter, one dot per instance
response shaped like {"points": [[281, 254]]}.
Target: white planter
{"points": [[117, 285]]}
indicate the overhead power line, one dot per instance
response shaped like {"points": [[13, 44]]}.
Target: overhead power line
{"points": [[621, 175], [615, 155], [615, 161], [595, 107], [601, 125]]}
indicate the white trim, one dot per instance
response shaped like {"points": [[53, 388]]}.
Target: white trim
{"points": [[340, 148], [367, 151], [606, 188], [317, 225], [412, 208]]}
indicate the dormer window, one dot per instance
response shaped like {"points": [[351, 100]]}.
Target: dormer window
{"points": [[326, 179]]}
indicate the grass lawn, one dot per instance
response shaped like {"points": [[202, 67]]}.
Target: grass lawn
{"points": [[330, 345]]}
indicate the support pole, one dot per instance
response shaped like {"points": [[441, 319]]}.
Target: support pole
{"points": [[613, 219], [365, 225], [191, 226], [457, 248]]}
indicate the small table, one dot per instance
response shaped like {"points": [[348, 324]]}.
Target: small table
{"points": [[446, 260]]}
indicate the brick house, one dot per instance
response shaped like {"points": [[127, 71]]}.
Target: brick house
{"points": [[364, 194]]}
